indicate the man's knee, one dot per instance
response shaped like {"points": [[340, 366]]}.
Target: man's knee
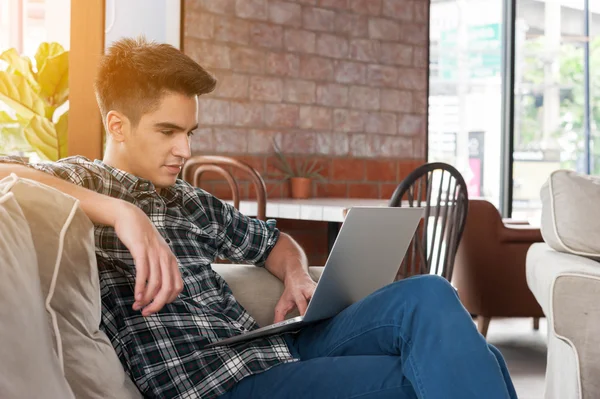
{"points": [[427, 288]]}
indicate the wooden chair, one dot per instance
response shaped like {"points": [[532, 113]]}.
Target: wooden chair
{"points": [[441, 190], [196, 166]]}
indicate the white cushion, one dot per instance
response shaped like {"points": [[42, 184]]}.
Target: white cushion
{"points": [[63, 237], [29, 367], [571, 213]]}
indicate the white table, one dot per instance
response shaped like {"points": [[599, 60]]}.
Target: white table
{"points": [[318, 209]]}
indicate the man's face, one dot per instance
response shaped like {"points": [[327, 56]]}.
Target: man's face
{"points": [[159, 145]]}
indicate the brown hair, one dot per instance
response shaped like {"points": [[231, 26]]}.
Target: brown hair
{"points": [[134, 74]]}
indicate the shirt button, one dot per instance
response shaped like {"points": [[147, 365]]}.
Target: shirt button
{"points": [[167, 240]]}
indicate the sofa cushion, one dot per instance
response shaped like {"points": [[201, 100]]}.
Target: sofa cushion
{"points": [[29, 367], [63, 237], [570, 213]]}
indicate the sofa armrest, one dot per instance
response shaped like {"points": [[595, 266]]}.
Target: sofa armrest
{"points": [[520, 233], [257, 289]]}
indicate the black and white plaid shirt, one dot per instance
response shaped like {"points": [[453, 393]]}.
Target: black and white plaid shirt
{"points": [[162, 353]]}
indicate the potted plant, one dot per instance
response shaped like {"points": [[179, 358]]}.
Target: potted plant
{"points": [[35, 98], [300, 173]]}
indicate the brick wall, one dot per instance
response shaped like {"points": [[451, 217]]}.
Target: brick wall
{"points": [[344, 81]]}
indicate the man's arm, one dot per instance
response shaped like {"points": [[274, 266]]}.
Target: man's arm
{"points": [[157, 273], [287, 261]]}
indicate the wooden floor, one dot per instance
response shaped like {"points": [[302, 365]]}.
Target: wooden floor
{"points": [[524, 351]]}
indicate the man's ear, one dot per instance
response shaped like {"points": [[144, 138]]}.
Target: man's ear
{"points": [[117, 125]]}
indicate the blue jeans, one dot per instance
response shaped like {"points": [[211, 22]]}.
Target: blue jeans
{"points": [[410, 339]]}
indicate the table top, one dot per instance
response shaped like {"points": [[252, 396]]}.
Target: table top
{"points": [[318, 209]]}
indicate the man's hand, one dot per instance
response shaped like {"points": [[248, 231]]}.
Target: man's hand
{"points": [[158, 280], [299, 289]]}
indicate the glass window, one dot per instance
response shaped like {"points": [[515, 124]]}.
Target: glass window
{"points": [[465, 98]]}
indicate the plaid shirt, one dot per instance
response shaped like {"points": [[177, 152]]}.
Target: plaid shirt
{"points": [[163, 353]]}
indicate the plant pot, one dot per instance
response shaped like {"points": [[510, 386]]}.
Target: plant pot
{"points": [[300, 187]]}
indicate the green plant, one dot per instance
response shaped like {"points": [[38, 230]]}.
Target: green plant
{"points": [[34, 95], [298, 168]]}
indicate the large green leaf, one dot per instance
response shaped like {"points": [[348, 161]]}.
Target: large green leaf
{"points": [[12, 140], [54, 79], [16, 93], [41, 135], [61, 132], [46, 50], [21, 66]]}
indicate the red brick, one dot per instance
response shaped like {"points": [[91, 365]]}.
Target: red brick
{"points": [[208, 55], [232, 30], [348, 169], [202, 141], [316, 118], [382, 123], [350, 72], [266, 35], [283, 64], [363, 190], [412, 79], [405, 167], [383, 29], [281, 115], [252, 9], [332, 46], [381, 170], [420, 102], [332, 95], [266, 89], [316, 68], [257, 162], [247, 60], [318, 19], [247, 113], [396, 54], [411, 125], [332, 143], [261, 141], [301, 41], [364, 50], [422, 11], [337, 4], [414, 33], [369, 7], [214, 6], [420, 57], [331, 190], [349, 121], [396, 100], [300, 91], [231, 140], [382, 76], [362, 97], [399, 9], [284, 13], [213, 112], [231, 85], [354, 25], [386, 190], [396, 147], [199, 25], [273, 190]]}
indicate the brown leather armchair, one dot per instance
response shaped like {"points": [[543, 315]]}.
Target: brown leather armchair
{"points": [[489, 269]]}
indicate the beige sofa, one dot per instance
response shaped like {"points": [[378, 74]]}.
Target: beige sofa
{"points": [[564, 275], [50, 299]]}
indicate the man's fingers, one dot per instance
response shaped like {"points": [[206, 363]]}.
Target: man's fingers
{"points": [[301, 303], [281, 310], [165, 290], [154, 280], [177, 281], [141, 275]]}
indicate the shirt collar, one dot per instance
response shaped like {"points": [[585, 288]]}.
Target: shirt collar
{"points": [[135, 184]]}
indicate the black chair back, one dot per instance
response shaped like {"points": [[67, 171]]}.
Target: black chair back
{"points": [[441, 190]]}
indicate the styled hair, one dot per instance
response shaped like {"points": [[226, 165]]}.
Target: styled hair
{"points": [[134, 74]]}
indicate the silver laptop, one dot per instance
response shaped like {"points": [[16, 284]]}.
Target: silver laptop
{"points": [[365, 257]]}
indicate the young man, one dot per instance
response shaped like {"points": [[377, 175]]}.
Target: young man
{"points": [[156, 237]]}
